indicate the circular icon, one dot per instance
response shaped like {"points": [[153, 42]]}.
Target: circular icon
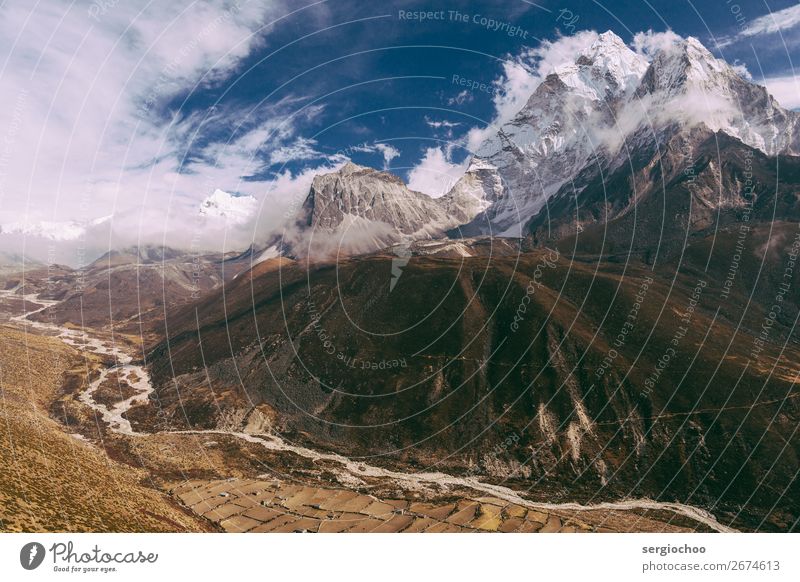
{"points": [[31, 555]]}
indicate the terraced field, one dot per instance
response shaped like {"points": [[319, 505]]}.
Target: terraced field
{"points": [[255, 505]]}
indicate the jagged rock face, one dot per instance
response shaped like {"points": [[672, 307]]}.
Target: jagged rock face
{"points": [[607, 108], [364, 193], [358, 209]]}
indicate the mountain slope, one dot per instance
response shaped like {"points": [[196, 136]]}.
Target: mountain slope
{"points": [[128, 288], [695, 182], [551, 138], [686, 82], [467, 351], [16, 263], [51, 480]]}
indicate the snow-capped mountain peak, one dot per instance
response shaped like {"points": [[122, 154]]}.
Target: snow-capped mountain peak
{"points": [[610, 56], [684, 66], [603, 70], [551, 138], [584, 111], [688, 84]]}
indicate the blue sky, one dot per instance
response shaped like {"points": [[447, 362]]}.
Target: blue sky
{"points": [[382, 75], [140, 110]]}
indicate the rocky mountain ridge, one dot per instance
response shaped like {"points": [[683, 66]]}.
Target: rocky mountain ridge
{"points": [[587, 120]]}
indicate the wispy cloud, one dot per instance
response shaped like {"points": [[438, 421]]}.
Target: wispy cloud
{"points": [[771, 23], [648, 43], [443, 127], [302, 149], [464, 96], [440, 124], [86, 127], [389, 152]]}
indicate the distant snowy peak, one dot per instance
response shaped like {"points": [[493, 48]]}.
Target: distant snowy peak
{"points": [[59, 231], [233, 209]]}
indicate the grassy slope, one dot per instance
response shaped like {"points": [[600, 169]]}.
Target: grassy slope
{"points": [[51, 481]]}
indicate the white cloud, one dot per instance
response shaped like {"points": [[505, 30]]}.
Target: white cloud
{"points": [[464, 96], [278, 202], [552, 54], [51, 230], [276, 138], [771, 23], [444, 128], [389, 153], [82, 132], [648, 43], [514, 88], [785, 89], [436, 174], [742, 70], [440, 124], [284, 196], [301, 149]]}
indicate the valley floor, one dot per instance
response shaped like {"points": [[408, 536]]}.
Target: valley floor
{"points": [[72, 462]]}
